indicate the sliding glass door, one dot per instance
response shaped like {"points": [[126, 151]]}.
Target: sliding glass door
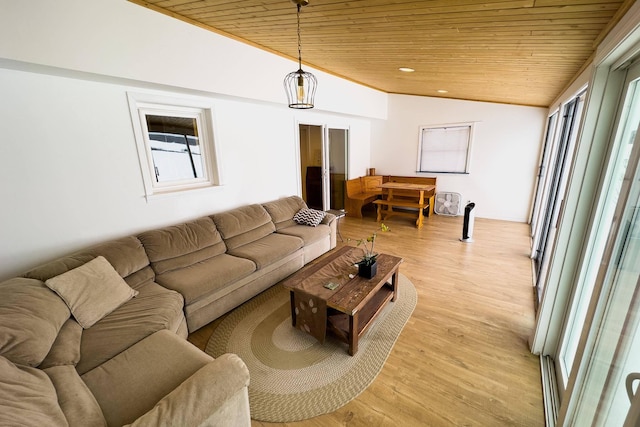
{"points": [[628, 121], [542, 171], [337, 149], [609, 348], [555, 187], [588, 323], [323, 165]]}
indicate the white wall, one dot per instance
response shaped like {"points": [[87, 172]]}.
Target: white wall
{"points": [[70, 173], [68, 162], [504, 152], [121, 39]]}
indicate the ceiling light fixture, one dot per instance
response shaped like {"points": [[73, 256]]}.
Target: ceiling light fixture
{"points": [[300, 85], [406, 69], [442, 91]]}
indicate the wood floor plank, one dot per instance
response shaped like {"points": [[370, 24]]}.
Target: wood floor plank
{"points": [[463, 358]]}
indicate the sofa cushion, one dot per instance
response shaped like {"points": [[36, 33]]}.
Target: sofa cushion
{"points": [[197, 280], [66, 348], [131, 383], [283, 210], [154, 309], [310, 217], [307, 234], [268, 249], [27, 397], [76, 401], [92, 290], [31, 316], [182, 245], [126, 255], [243, 225]]}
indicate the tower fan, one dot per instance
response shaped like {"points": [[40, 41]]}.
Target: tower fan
{"points": [[447, 204]]}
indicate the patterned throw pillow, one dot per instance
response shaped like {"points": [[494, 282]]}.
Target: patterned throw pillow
{"points": [[309, 217]]}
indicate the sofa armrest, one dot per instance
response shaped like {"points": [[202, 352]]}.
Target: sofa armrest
{"points": [[215, 393], [328, 218]]}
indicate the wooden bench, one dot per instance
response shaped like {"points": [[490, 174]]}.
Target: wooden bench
{"points": [[413, 193], [410, 194], [389, 211], [360, 192]]}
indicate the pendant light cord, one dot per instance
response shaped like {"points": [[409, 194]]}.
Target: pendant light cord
{"points": [[299, 41]]}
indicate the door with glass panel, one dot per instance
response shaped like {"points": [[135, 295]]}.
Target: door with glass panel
{"points": [[323, 165], [628, 121], [336, 163], [555, 188], [542, 171], [608, 353]]}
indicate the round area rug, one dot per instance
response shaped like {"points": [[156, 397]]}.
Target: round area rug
{"points": [[293, 376]]}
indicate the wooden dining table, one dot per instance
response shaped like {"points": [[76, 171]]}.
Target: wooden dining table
{"points": [[385, 206]]}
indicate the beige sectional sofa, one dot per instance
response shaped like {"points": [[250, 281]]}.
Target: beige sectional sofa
{"points": [[133, 365]]}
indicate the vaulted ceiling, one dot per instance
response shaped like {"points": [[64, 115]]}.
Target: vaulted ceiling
{"points": [[522, 52]]}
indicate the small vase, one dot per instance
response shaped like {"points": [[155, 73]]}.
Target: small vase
{"points": [[367, 271]]}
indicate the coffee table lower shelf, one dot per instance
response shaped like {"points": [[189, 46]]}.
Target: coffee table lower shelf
{"points": [[349, 327]]}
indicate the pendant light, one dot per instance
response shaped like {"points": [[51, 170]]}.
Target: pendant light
{"points": [[300, 85]]}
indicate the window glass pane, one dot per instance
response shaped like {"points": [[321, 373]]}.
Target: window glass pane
{"points": [[175, 148]]}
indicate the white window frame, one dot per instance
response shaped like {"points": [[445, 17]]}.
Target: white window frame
{"points": [[466, 154], [141, 105]]}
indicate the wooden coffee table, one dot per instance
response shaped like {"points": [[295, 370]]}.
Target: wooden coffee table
{"points": [[349, 309]]}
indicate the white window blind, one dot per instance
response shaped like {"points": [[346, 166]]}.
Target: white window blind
{"points": [[445, 148]]}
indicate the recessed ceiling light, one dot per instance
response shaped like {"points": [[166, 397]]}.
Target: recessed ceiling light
{"points": [[442, 91], [406, 69]]}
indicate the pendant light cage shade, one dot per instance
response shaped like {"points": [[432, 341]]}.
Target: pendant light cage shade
{"points": [[300, 86], [301, 89]]}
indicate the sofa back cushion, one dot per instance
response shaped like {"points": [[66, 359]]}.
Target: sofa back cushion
{"points": [[155, 308], [78, 405], [27, 397], [283, 210], [126, 255], [31, 316], [66, 348], [179, 246], [243, 225]]}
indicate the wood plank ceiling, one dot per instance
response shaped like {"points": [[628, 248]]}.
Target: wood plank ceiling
{"points": [[508, 51]]}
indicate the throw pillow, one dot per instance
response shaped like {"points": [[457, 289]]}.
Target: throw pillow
{"points": [[311, 217], [92, 290], [30, 318]]}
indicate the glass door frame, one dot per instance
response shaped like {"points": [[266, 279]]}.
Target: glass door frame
{"points": [[327, 163], [594, 249], [560, 161], [541, 185], [325, 168], [594, 333]]}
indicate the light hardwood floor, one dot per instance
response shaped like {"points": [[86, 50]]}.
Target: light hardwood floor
{"points": [[462, 359]]}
